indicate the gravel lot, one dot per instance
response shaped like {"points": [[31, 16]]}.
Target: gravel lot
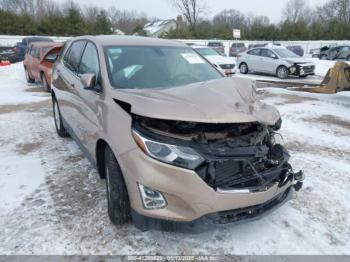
{"points": [[53, 202]]}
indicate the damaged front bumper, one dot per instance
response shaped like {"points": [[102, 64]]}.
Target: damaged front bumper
{"points": [[302, 69], [214, 220], [243, 175]]}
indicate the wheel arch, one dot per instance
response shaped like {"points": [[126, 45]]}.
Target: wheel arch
{"points": [[101, 145], [242, 62], [281, 65]]}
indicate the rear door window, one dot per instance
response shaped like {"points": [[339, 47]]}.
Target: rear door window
{"points": [[255, 52], [74, 55]]}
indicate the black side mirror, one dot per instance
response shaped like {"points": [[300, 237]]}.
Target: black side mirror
{"points": [[88, 81]]}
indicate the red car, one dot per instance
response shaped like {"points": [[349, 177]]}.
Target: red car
{"points": [[38, 62]]}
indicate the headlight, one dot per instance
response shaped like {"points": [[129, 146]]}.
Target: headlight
{"points": [[277, 126], [175, 155]]}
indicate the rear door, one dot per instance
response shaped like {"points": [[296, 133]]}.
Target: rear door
{"points": [[34, 62], [252, 58], [66, 78]]}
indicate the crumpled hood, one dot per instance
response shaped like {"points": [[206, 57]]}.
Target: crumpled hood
{"points": [[226, 100], [297, 60], [219, 60]]}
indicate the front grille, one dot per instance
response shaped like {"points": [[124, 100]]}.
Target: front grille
{"points": [[227, 66], [254, 168], [238, 174], [236, 215], [309, 69], [233, 173]]}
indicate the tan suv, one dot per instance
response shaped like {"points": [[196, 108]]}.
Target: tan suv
{"points": [[181, 146]]}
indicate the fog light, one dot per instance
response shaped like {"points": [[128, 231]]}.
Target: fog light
{"points": [[152, 199]]}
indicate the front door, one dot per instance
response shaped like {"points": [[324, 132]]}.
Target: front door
{"points": [[267, 61], [90, 103]]}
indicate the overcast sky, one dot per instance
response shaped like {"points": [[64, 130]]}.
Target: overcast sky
{"points": [[164, 10]]}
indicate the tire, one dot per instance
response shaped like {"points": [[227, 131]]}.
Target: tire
{"points": [[29, 80], [282, 72], [61, 131], [117, 194], [323, 57], [45, 83], [243, 68]]}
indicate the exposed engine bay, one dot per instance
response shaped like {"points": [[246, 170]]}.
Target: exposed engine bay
{"points": [[238, 157]]}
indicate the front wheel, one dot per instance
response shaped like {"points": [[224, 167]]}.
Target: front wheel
{"points": [[282, 72], [61, 131], [243, 68], [117, 194]]}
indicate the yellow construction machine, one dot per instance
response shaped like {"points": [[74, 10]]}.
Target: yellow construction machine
{"points": [[336, 80]]}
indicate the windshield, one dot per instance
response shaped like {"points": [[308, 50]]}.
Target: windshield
{"points": [[153, 67], [285, 53], [206, 51]]}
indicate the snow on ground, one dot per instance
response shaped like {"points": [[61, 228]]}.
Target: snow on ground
{"points": [[53, 202]]}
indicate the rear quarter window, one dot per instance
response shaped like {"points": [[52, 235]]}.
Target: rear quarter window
{"points": [[254, 52], [35, 52]]}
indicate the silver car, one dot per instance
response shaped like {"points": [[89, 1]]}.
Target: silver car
{"points": [[276, 60]]}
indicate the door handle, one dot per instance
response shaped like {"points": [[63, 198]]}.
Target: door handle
{"points": [[72, 85]]}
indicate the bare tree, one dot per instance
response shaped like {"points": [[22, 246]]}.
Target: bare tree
{"points": [[335, 10], [190, 9], [19, 6], [91, 12], [231, 18], [46, 7], [126, 20], [295, 11]]}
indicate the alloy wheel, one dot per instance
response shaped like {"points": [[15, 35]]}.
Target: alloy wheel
{"points": [[282, 73]]}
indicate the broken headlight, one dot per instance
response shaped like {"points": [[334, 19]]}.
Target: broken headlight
{"points": [[175, 155]]}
